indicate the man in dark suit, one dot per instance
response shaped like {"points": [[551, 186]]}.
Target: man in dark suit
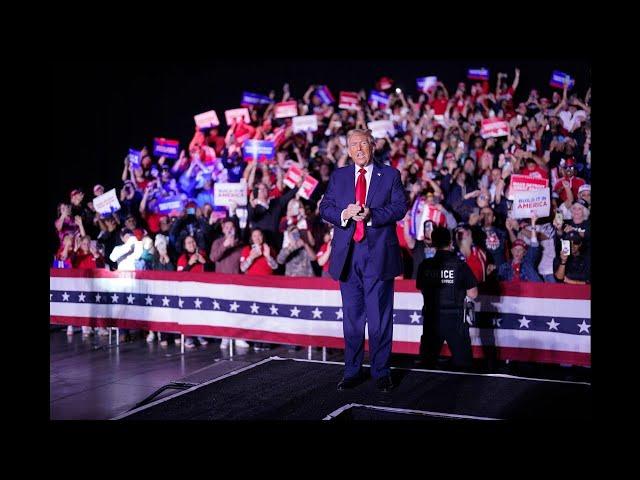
{"points": [[364, 201]]}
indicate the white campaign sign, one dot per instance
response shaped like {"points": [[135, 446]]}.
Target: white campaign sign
{"points": [[533, 202], [107, 202], [305, 123], [207, 119], [381, 128], [225, 193]]}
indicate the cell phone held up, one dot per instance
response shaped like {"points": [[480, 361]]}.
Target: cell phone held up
{"points": [[566, 247]]}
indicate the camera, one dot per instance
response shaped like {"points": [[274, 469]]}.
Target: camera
{"points": [[295, 235]]}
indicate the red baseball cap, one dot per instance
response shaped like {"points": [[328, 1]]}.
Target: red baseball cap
{"points": [[519, 243], [75, 192]]}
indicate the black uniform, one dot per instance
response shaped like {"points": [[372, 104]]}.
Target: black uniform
{"points": [[444, 281]]}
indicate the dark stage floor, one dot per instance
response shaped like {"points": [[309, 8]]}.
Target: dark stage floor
{"points": [[91, 380]]}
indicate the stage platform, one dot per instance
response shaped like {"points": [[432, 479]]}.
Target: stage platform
{"points": [[279, 388]]}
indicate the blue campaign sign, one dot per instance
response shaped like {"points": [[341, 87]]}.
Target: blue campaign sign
{"points": [[249, 98], [380, 97], [134, 157], [559, 78], [478, 74], [169, 204], [325, 95], [260, 150], [165, 147]]}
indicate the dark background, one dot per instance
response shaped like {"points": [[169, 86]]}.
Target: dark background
{"points": [[102, 108]]}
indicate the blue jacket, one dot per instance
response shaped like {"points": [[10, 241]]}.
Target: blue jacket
{"points": [[528, 271], [387, 202]]}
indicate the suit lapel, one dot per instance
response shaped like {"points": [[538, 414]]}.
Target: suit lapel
{"points": [[351, 185], [376, 178]]}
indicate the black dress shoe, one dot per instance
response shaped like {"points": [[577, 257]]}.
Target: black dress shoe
{"points": [[384, 384], [347, 383]]}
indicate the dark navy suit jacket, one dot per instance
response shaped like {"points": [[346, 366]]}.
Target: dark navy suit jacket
{"points": [[387, 202]]}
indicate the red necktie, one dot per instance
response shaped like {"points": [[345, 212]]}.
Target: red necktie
{"points": [[361, 194]]}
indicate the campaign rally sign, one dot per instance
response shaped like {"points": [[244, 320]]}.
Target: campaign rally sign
{"points": [[381, 128], [305, 123], [559, 78], [425, 83], [478, 74], [249, 98], [534, 202], [230, 115], [135, 156], [525, 183], [292, 177], [325, 95], [308, 186], [224, 194], [170, 204], [349, 101], [207, 119], [378, 97], [165, 147], [494, 127], [286, 109], [107, 203], [258, 150]]}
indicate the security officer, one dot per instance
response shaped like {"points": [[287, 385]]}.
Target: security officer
{"points": [[445, 280]]}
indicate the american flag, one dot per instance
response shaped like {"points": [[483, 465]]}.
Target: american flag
{"points": [[525, 321]]}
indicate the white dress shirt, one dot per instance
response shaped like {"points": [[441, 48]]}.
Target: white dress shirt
{"points": [[367, 176]]}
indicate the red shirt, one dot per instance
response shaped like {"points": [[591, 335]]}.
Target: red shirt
{"points": [[576, 183], [142, 184], [260, 266], [537, 172], [183, 263], [84, 260], [322, 251], [274, 192], [216, 142], [439, 106]]}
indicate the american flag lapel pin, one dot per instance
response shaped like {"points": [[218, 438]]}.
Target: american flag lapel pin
{"points": [[379, 174]]}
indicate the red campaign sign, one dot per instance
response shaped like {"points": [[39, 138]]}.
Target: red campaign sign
{"points": [[308, 186], [494, 127], [293, 175], [286, 109], [349, 100], [525, 183]]}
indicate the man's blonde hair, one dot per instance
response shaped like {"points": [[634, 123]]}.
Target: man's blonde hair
{"points": [[361, 131]]}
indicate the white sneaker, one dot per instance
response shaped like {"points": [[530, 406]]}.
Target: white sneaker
{"points": [[241, 344], [151, 337], [224, 343], [70, 330]]}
